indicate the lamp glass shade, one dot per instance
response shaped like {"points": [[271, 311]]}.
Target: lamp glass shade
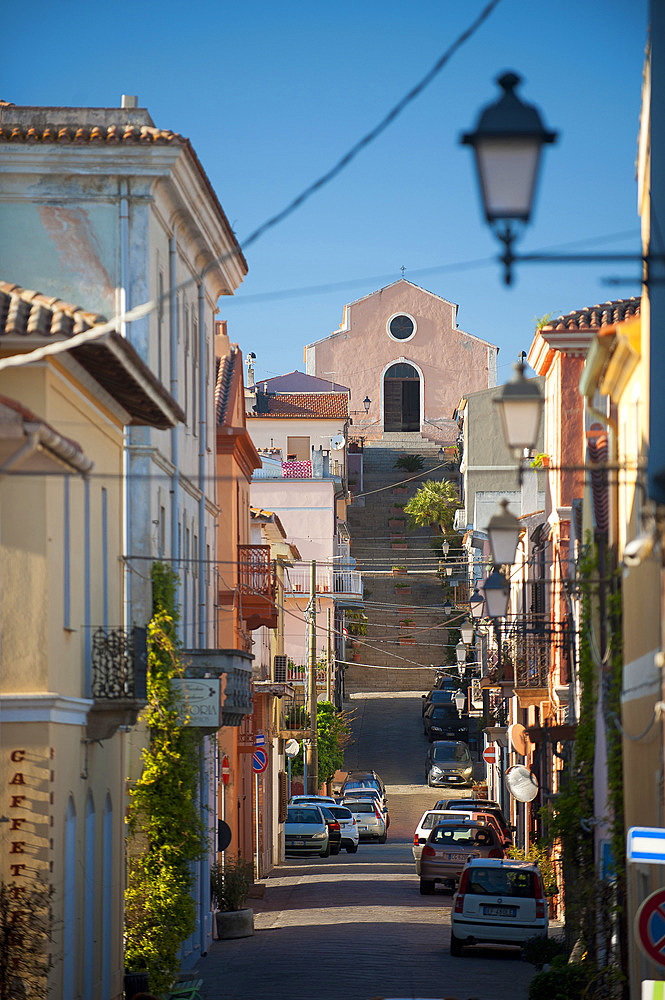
{"points": [[449, 571], [507, 172], [447, 608], [460, 652], [477, 602], [504, 532], [367, 402], [497, 594], [445, 547], [520, 404], [466, 631], [460, 701]]}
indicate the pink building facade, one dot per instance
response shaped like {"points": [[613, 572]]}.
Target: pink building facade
{"points": [[401, 349]]}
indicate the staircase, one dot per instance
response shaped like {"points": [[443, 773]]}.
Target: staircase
{"points": [[405, 633]]}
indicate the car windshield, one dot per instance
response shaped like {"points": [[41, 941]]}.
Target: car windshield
{"points": [[501, 882], [460, 836], [445, 712], [451, 752], [340, 813], [362, 793], [362, 807], [431, 820], [300, 815], [360, 784]]}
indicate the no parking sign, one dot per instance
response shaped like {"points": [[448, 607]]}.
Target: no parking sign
{"points": [[650, 925]]}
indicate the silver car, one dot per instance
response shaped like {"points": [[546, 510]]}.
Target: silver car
{"points": [[305, 831], [448, 762], [369, 817]]}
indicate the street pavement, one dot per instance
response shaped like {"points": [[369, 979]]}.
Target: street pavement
{"points": [[355, 927]]}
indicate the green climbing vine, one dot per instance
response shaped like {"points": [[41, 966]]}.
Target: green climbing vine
{"points": [[165, 829]]}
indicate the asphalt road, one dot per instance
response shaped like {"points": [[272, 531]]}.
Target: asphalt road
{"points": [[355, 927]]}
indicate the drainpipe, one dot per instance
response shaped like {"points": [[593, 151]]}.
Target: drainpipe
{"points": [[126, 457], [173, 376], [203, 441], [29, 447]]}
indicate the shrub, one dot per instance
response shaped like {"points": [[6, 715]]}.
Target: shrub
{"points": [[540, 951], [410, 463], [230, 883]]}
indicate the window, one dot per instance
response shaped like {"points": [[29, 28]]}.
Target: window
{"points": [[298, 449], [401, 326]]}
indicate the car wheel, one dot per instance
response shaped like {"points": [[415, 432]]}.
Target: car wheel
{"points": [[352, 848], [326, 853], [426, 887], [383, 838], [336, 850], [455, 946]]}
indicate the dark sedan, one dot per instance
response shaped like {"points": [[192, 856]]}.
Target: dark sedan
{"points": [[441, 722], [437, 696]]}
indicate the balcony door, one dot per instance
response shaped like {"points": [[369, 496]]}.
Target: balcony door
{"points": [[401, 398]]}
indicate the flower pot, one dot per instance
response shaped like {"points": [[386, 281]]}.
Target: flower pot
{"points": [[402, 590], [234, 923]]}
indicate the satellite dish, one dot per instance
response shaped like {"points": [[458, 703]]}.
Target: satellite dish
{"points": [[292, 748], [337, 443], [517, 737], [521, 783]]}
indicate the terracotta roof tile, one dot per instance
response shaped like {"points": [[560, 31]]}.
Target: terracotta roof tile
{"points": [[593, 317], [112, 362], [332, 405], [54, 132], [225, 371]]}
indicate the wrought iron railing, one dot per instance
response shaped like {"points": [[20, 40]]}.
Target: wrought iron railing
{"points": [[119, 663], [529, 651], [256, 571]]}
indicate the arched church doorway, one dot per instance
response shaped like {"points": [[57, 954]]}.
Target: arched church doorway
{"points": [[401, 398]]}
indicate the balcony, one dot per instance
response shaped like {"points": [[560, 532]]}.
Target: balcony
{"points": [[234, 667], [256, 589], [345, 585], [530, 654], [119, 664]]}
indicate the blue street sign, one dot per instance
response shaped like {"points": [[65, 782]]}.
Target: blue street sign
{"points": [[260, 740], [259, 761], [646, 844]]}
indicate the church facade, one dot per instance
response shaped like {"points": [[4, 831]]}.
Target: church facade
{"points": [[405, 361]]}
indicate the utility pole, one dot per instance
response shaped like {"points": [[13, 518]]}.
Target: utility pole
{"points": [[312, 750]]}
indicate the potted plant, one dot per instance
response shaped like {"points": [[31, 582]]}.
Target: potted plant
{"points": [[229, 886], [399, 571]]}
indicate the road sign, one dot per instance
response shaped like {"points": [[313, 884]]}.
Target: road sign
{"points": [[226, 770], [491, 754], [260, 740], [650, 924], [259, 761], [646, 844]]}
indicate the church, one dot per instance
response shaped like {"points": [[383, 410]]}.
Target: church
{"points": [[404, 360]]}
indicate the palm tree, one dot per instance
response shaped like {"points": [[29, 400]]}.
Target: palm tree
{"points": [[434, 503]]}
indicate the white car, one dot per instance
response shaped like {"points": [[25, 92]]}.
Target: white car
{"points": [[498, 902], [317, 800], [369, 817], [427, 822], [349, 827], [368, 793]]}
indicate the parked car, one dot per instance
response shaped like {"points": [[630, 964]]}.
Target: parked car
{"points": [[448, 762], [315, 800], [442, 722], [437, 696], [369, 817], [349, 827], [334, 829], [443, 679], [448, 848], [358, 775], [491, 819], [498, 902], [482, 805], [427, 822], [370, 793], [305, 831]]}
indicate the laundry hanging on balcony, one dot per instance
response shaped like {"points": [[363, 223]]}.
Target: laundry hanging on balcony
{"points": [[297, 470]]}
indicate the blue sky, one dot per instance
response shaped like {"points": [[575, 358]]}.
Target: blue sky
{"points": [[272, 95]]}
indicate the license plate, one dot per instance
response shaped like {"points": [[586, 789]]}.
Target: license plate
{"points": [[296, 843], [457, 857], [499, 911], [363, 829]]}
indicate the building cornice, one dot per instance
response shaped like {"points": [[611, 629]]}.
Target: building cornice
{"points": [[46, 707]]}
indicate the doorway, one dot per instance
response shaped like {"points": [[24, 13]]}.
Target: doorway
{"points": [[401, 398]]}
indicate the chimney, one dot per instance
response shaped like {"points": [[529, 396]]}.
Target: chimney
{"points": [[129, 101]]}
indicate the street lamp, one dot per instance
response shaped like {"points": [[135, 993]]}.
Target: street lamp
{"points": [[445, 547], [497, 592], [477, 602], [367, 402], [507, 144], [460, 653], [447, 608], [520, 404], [460, 702], [441, 454], [466, 631], [504, 532]]}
